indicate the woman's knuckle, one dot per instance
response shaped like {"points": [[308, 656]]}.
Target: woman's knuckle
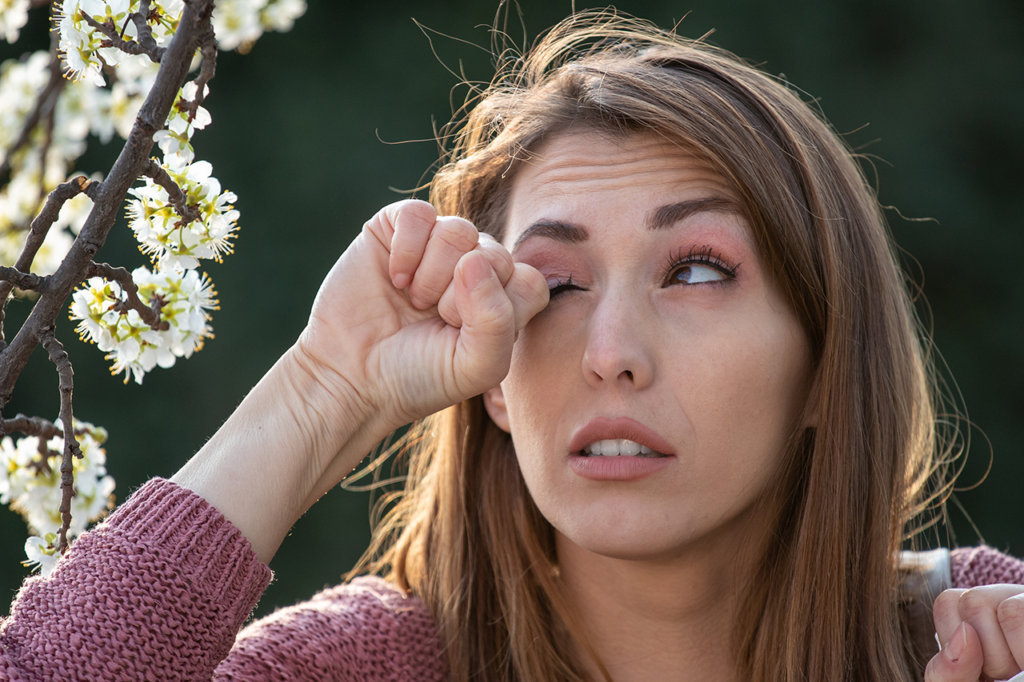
{"points": [[420, 213], [1010, 613], [457, 232], [974, 602]]}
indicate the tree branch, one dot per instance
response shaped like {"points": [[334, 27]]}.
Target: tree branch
{"points": [[114, 39], [59, 357], [31, 426], [177, 198], [25, 281], [150, 314], [44, 430], [109, 196], [145, 31], [208, 42], [37, 235]]}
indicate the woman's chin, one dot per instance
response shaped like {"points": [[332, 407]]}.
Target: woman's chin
{"points": [[618, 539]]}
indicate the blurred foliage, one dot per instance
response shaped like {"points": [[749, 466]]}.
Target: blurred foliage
{"points": [[931, 89]]}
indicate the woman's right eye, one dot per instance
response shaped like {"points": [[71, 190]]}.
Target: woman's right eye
{"points": [[560, 286]]}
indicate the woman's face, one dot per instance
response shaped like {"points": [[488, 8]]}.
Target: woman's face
{"points": [[663, 336]]}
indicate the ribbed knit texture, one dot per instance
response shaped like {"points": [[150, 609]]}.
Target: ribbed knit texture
{"points": [[363, 631], [160, 590], [976, 566]]}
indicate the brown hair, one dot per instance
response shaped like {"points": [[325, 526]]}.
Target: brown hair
{"points": [[466, 536]]}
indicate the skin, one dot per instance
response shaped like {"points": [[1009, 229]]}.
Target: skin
{"points": [[719, 368], [421, 312]]}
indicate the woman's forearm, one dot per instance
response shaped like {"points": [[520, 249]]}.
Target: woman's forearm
{"points": [[293, 438]]}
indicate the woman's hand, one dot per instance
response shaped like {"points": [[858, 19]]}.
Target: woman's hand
{"points": [[982, 634], [419, 313]]}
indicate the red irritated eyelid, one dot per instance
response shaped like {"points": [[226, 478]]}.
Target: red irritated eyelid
{"points": [[552, 265]]}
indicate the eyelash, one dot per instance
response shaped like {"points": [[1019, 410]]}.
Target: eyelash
{"points": [[561, 286], [703, 255]]}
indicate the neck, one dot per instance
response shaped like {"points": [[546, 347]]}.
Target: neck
{"points": [[665, 619]]}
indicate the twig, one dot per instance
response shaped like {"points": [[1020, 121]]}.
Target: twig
{"points": [[150, 314], [146, 46], [37, 235], [59, 357], [109, 196], [44, 430], [177, 198], [25, 281], [208, 42], [145, 31], [31, 426]]}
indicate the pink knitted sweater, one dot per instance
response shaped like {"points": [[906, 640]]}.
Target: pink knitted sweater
{"points": [[161, 589]]}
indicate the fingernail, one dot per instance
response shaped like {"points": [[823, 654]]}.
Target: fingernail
{"points": [[402, 280], [955, 647], [475, 271]]}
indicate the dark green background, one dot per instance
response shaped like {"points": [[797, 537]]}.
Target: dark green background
{"points": [[297, 132]]}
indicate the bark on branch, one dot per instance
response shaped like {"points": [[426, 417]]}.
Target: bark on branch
{"points": [[146, 45], [31, 426], [25, 281], [109, 197], [150, 314], [145, 31], [59, 357], [177, 198], [208, 43], [37, 235]]}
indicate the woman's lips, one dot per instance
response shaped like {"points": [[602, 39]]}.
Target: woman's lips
{"points": [[604, 428], [622, 467]]}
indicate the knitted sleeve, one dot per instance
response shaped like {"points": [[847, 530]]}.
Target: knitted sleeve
{"points": [[158, 592], [976, 566], [365, 631]]}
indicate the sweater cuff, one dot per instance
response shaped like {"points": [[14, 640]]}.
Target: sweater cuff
{"points": [[181, 528]]}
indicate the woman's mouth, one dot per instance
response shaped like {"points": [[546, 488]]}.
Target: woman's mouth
{"points": [[618, 449], [619, 446]]}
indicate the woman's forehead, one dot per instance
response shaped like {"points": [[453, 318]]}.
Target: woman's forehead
{"points": [[589, 171]]}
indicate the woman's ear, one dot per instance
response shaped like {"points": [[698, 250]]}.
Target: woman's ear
{"points": [[494, 403]]}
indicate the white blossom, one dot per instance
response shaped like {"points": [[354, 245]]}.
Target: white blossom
{"points": [[175, 140], [90, 106], [280, 15], [237, 23], [42, 553], [134, 346], [162, 232], [20, 83], [30, 480], [13, 15]]}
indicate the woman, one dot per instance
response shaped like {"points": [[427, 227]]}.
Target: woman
{"points": [[677, 419]]}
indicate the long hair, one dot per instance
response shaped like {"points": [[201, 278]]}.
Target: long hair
{"points": [[466, 537]]}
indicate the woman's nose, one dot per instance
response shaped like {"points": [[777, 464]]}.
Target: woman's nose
{"points": [[618, 354]]}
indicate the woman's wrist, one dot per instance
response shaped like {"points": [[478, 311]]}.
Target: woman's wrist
{"points": [[292, 438]]}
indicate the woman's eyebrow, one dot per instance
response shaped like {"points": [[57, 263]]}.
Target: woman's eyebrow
{"points": [[560, 231], [660, 218], [669, 215]]}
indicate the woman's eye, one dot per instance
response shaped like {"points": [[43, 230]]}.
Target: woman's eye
{"points": [[693, 273], [561, 286]]}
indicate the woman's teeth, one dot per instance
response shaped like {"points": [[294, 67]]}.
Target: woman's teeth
{"points": [[620, 446]]}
